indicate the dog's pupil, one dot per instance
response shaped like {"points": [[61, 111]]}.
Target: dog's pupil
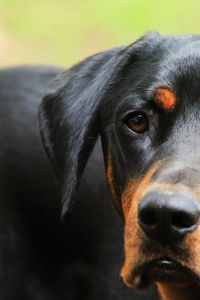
{"points": [[138, 123], [139, 119]]}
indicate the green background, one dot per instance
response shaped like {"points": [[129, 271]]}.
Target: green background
{"points": [[62, 32]]}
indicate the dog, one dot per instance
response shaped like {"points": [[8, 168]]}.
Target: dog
{"points": [[42, 258], [144, 102]]}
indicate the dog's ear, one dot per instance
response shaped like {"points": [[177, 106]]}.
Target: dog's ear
{"points": [[69, 113]]}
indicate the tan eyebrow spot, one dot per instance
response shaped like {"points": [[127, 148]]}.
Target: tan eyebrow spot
{"points": [[166, 98]]}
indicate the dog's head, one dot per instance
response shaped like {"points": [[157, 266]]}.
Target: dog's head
{"points": [[144, 101]]}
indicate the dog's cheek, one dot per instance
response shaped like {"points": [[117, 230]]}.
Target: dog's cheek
{"points": [[136, 189], [192, 244], [128, 198], [133, 234], [133, 239], [111, 183]]}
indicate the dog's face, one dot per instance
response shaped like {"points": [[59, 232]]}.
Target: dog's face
{"points": [[144, 100], [151, 143]]}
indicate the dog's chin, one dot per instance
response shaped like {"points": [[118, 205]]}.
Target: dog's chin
{"points": [[162, 270]]}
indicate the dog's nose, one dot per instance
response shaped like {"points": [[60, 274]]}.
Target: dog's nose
{"points": [[168, 217]]}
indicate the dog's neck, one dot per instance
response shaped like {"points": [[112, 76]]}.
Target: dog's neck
{"points": [[171, 292]]}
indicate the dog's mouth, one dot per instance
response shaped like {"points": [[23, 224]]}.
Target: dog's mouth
{"points": [[163, 270]]}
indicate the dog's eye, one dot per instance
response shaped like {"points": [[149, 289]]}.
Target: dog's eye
{"points": [[137, 122]]}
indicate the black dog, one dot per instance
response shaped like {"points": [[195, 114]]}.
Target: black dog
{"points": [[144, 100], [42, 258]]}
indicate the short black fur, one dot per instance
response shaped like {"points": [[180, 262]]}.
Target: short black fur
{"points": [[94, 96], [43, 258]]}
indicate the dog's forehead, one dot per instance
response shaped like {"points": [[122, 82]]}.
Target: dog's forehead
{"points": [[173, 60], [174, 63], [179, 59]]}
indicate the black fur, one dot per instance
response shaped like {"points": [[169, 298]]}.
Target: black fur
{"points": [[93, 98], [69, 116], [40, 257]]}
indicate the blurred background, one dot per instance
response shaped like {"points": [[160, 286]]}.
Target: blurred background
{"points": [[62, 32]]}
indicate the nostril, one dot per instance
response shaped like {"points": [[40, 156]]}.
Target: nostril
{"points": [[147, 217], [183, 220]]}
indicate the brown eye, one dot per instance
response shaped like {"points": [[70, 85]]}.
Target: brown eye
{"points": [[137, 122]]}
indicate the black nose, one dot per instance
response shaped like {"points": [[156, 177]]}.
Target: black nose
{"points": [[168, 217]]}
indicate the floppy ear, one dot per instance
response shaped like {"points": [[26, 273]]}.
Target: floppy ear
{"points": [[68, 115]]}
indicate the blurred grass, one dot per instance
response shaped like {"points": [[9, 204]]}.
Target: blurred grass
{"points": [[64, 31]]}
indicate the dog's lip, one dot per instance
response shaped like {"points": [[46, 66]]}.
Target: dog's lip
{"points": [[165, 270]]}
